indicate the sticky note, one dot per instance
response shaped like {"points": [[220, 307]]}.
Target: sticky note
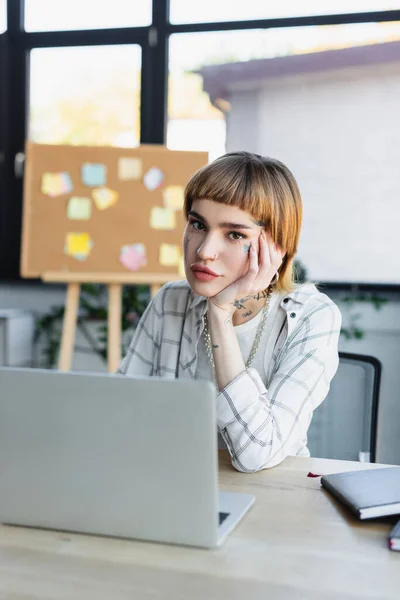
{"points": [[170, 255], [153, 178], [56, 184], [104, 197], [94, 174], [181, 268], [133, 256], [173, 197], [129, 168], [78, 245], [79, 208], [162, 218]]}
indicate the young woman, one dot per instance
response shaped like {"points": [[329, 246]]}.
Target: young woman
{"points": [[270, 346]]}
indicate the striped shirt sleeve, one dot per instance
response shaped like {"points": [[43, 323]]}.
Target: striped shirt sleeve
{"points": [[262, 426], [144, 349]]}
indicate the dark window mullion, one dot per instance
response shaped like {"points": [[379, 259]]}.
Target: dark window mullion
{"points": [[90, 37], [14, 120], [155, 77]]}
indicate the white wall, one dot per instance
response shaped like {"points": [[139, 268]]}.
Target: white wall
{"points": [[338, 132]]}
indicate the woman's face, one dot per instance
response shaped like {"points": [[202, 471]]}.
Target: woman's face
{"points": [[216, 245]]}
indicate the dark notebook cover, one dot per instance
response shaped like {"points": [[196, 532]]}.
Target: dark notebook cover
{"points": [[368, 493]]}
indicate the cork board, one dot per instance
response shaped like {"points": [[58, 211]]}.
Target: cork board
{"points": [[104, 209]]}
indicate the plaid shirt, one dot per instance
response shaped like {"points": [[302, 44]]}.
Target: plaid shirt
{"points": [[261, 422]]}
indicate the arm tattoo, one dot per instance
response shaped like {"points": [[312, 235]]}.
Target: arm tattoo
{"points": [[247, 314]]}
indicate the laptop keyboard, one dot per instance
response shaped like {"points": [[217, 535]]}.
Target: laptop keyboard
{"points": [[222, 517]]}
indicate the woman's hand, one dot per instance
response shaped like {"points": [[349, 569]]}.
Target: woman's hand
{"points": [[262, 268]]}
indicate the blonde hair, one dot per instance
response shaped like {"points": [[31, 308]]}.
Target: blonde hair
{"points": [[262, 186]]}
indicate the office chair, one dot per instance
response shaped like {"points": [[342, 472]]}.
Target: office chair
{"points": [[344, 426]]}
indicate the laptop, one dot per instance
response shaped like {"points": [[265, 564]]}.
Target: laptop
{"points": [[113, 455]]}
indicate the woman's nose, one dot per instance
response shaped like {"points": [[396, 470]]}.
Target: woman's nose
{"points": [[208, 249]]}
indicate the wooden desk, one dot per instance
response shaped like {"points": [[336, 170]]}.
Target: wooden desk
{"points": [[296, 543]]}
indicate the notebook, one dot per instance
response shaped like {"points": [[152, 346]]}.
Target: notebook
{"points": [[368, 493]]}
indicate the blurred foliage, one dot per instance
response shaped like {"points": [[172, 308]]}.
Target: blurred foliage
{"points": [[92, 306], [352, 300]]}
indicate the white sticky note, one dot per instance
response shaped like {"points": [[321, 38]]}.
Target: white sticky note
{"points": [[162, 218], [79, 208], [173, 197], [153, 178], [129, 168]]}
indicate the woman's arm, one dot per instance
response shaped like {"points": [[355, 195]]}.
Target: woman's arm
{"points": [[262, 426], [263, 264], [225, 346]]}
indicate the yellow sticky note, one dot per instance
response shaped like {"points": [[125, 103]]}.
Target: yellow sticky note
{"points": [[170, 255], [173, 197], [181, 268], [79, 208], [162, 218], [78, 245], [104, 197], [56, 184], [129, 168]]}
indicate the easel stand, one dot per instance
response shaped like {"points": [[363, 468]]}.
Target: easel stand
{"points": [[114, 282]]}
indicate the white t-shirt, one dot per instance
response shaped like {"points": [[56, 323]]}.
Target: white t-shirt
{"points": [[245, 334]]}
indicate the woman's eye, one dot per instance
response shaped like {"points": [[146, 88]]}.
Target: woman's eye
{"points": [[235, 236], [197, 225]]}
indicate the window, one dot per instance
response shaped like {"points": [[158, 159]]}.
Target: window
{"points": [[197, 123], [50, 15], [3, 16], [322, 99], [207, 11], [95, 104]]}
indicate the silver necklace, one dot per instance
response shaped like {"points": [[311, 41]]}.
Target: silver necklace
{"points": [[257, 339]]}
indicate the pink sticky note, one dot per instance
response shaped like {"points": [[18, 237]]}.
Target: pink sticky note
{"points": [[133, 256]]}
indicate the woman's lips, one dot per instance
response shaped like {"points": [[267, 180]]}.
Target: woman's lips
{"points": [[203, 274]]}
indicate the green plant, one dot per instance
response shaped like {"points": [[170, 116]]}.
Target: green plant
{"points": [[351, 300], [92, 306]]}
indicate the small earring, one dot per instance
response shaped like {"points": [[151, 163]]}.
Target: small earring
{"points": [[275, 279]]}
